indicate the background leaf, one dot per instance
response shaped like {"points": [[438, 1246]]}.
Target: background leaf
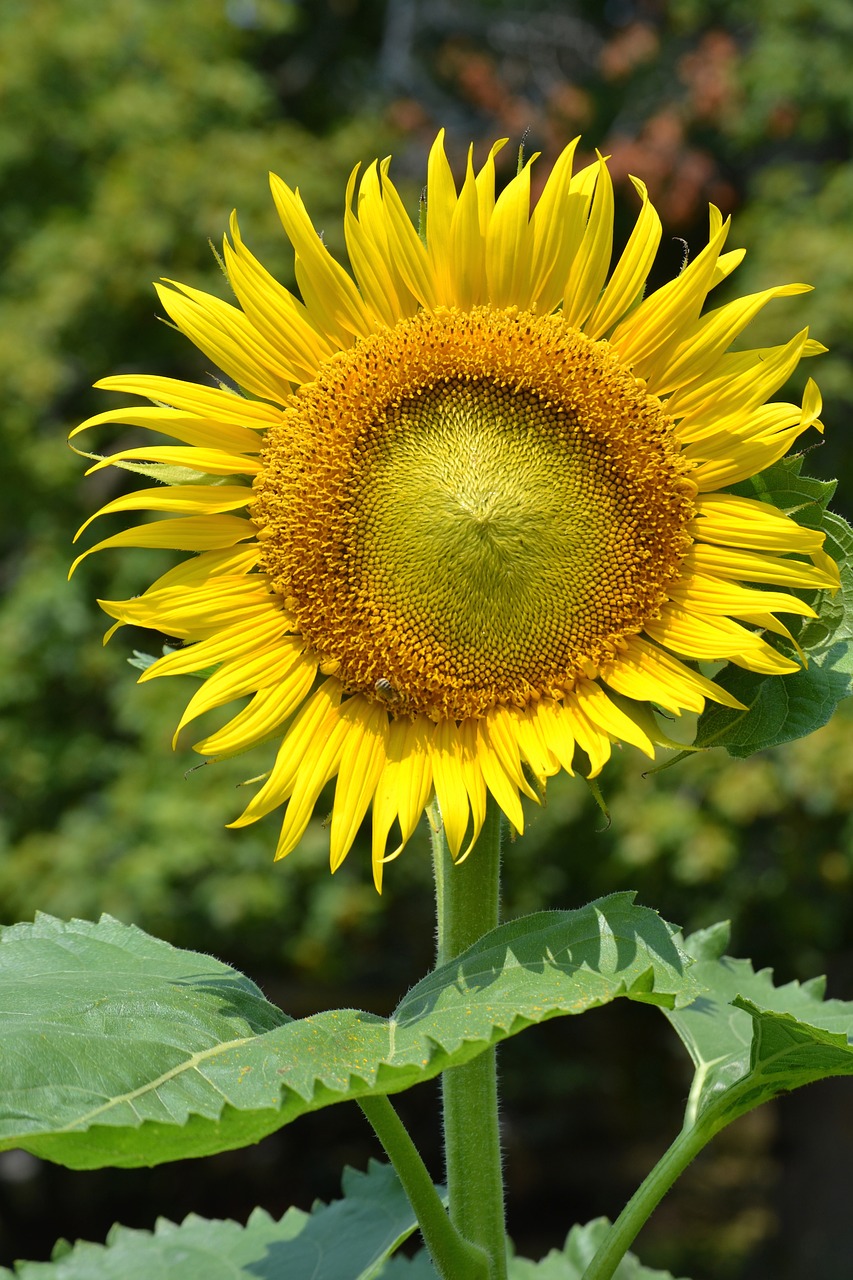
{"points": [[750, 1040], [417, 1268], [345, 1240], [576, 1255], [125, 1051], [781, 708]]}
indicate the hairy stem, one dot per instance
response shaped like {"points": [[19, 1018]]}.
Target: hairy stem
{"points": [[468, 906], [453, 1256], [645, 1200]]}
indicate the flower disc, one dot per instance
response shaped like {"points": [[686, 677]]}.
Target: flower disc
{"points": [[480, 478]]}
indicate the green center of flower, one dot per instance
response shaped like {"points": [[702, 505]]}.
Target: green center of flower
{"points": [[471, 509]]}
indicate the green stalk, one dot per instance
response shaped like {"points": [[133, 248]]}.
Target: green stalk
{"points": [[454, 1258], [468, 906], [645, 1200]]}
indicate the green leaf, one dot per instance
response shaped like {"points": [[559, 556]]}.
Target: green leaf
{"points": [[346, 1240], [568, 1263], [784, 486], [571, 1262], [782, 708], [750, 1040], [417, 1268], [121, 1050]]}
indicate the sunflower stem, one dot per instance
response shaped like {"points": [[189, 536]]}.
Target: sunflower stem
{"points": [[468, 906], [645, 1199], [452, 1255]]}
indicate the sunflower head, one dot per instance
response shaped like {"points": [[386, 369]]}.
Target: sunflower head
{"points": [[468, 514]]}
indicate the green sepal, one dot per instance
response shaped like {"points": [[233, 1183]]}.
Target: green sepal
{"points": [[161, 472]]}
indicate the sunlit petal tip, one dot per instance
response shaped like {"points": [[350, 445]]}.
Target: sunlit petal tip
{"points": [[110, 632], [74, 564], [395, 853], [812, 401], [825, 563], [487, 476]]}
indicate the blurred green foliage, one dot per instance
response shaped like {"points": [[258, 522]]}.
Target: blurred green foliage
{"points": [[129, 129]]}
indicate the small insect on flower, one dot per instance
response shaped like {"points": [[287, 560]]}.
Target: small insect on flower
{"points": [[386, 690]]}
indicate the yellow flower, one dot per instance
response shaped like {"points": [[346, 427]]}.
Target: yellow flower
{"points": [[470, 511]]}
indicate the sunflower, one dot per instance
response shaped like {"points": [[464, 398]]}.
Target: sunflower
{"points": [[465, 518]]}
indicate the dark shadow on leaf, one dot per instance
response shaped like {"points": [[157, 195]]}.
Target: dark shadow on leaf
{"points": [[239, 998], [602, 947]]}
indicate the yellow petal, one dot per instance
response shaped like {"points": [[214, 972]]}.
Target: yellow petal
{"points": [[497, 780], [452, 796], [238, 677], [744, 522], [440, 207], [589, 270], [268, 710], [716, 639], [508, 244], [708, 338], [627, 282], [756, 566], [204, 500], [193, 430], [303, 731], [710, 595], [533, 744], [200, 570], [362, 762], [414, 779], [648, 674], [318, 765], [467, 246], [371, 266], [590, 737], [475, 783], [734, 454], [196, 612], [212, 462], [486, 186], [607, 717], [500, 731], [226, 336], [408, 251], [373, 221], [275, 312], [556, 229], [333, 302], [555, 723], [403, 788], [266, 628], [737, 389], [190, 533], [659, 319], [206, 402]]}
